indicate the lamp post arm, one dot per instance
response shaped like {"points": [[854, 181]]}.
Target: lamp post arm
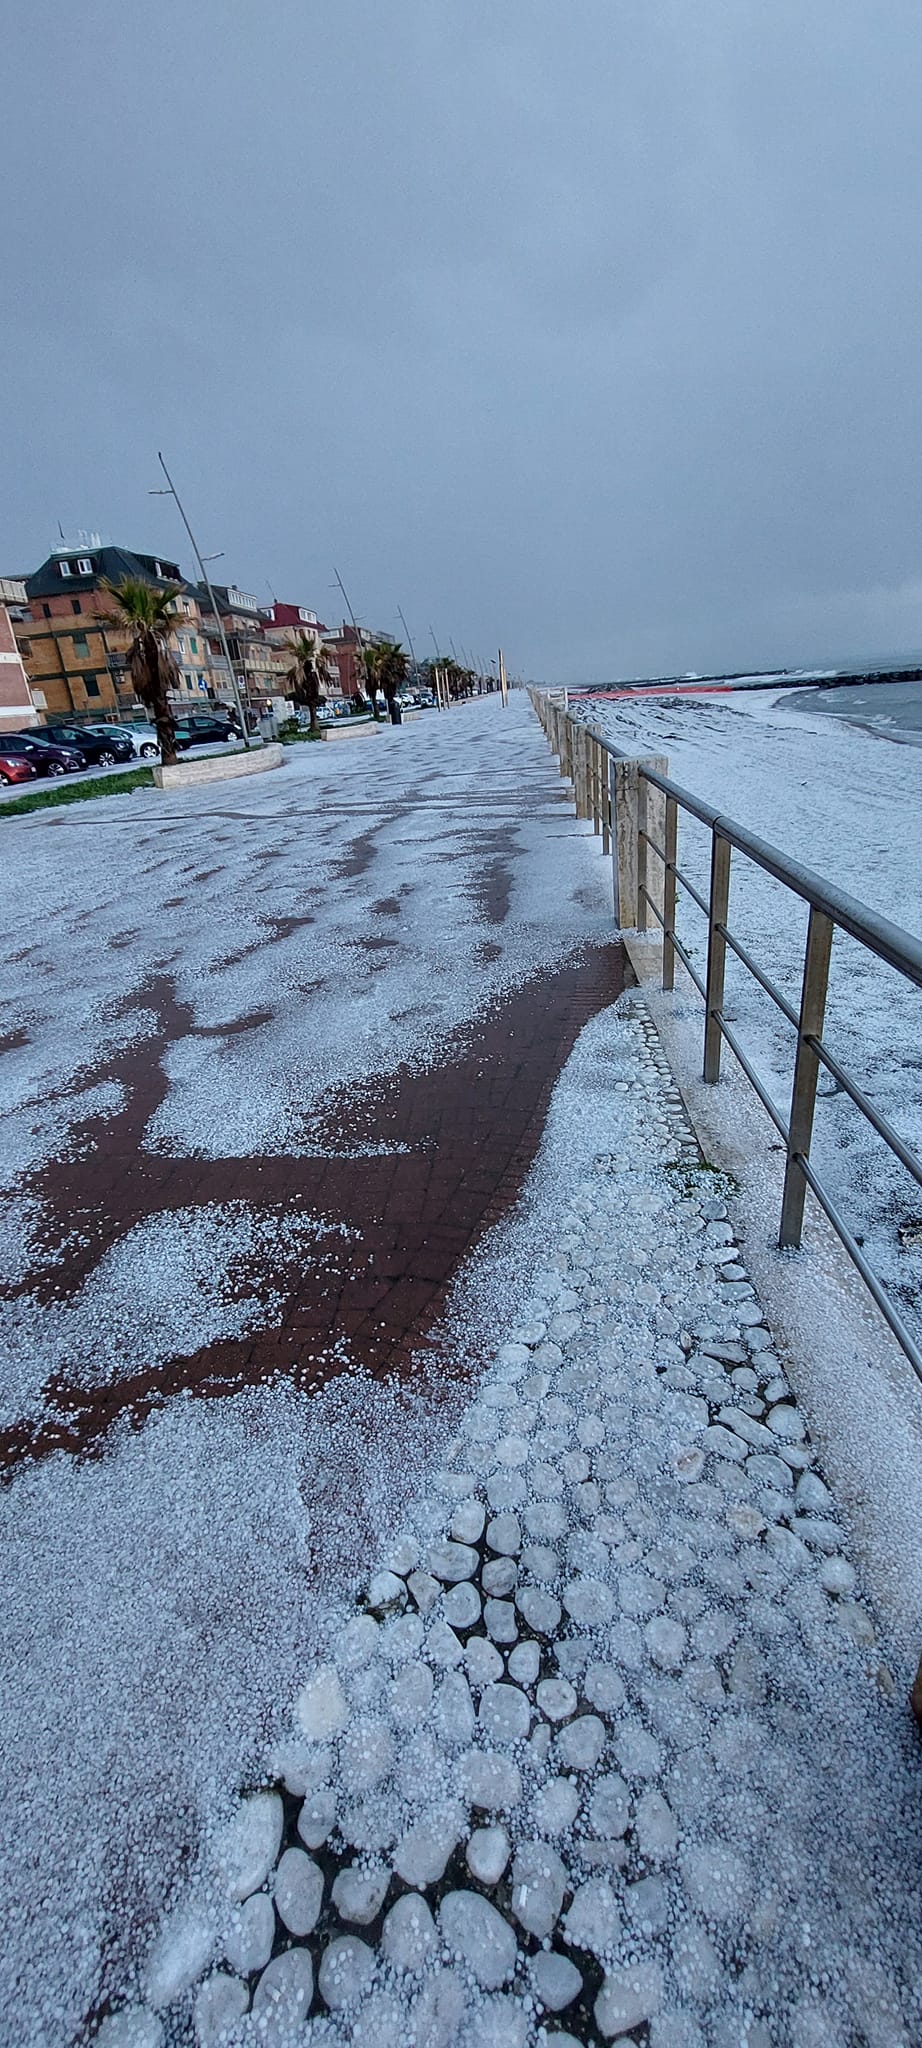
{"points": [[206, 579]]}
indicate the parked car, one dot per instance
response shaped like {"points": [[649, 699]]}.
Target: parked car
{"points": [[200, 731], [16, 768], [47, 758], [101, 749], [141, 738]]}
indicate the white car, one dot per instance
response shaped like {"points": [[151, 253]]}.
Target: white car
{"points": [[143, 738]]}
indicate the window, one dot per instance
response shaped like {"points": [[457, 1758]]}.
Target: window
{"points": [[84, 566], [91, 686], [65, 568], [46, 608], [25, 647], [193, 643], [81, 645], [75, 604]]}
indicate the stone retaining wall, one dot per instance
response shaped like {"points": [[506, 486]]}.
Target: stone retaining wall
{"points": [[218, 767]]}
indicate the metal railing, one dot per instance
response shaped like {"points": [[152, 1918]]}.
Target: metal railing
{"points": [[635, 807]]}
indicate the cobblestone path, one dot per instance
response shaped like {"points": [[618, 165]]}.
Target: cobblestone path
{"points": [[428, 1619]]}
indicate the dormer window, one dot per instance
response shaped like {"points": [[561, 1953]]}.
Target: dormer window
{"points": [[65, 568], [84, 565]]}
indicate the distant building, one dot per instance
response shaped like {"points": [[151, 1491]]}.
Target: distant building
{"points": [[16, 704], [284, 622], [75, 661], [256, 662], [293, 618], [346, 645]]}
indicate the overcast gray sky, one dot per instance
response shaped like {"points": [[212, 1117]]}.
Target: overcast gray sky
{"points": [[589, 327]]}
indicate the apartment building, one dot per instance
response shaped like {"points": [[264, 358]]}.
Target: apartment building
{"points": [[17, 708], [346, 645], [284, 622], [75, 660], [255, 660]]}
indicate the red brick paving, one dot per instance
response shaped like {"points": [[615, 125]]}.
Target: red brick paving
{"points": [[473, 1123]]}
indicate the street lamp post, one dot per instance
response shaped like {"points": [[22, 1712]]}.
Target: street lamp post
{"points": [[172, 492], [437, 672], [409, 641]]}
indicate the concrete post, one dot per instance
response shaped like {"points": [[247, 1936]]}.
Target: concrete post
{"points": [[637, 804]]}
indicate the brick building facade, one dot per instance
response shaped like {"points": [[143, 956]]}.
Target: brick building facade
{"points": [[16, 705]]}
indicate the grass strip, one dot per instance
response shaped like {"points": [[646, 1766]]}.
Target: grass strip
{"points": [[78, 792]]}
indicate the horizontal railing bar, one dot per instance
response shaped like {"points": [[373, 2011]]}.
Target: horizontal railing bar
{"points": [[751, 1075], [739, 949], [680, 949], [889, 941], [689, 969], [881, 1124], [901, 949], [890, 1315], [642, 890], [692, 891]]}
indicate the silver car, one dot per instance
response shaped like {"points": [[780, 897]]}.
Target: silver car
{"points": [[143, 738]]}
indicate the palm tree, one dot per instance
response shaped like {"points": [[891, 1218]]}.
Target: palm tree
{"points": [[145, 613], [306, 675], [394, 671], [387, 668], [372, 658]]}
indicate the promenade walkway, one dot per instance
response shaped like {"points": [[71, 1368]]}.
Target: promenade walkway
{"points": [[395, 1438]]}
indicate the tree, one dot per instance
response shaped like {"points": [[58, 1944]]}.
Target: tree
{"points": [[306, 675], [372, 658], [145, 613], [392, 669]]}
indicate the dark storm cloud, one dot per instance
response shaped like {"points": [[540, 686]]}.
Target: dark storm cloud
{"points": [[591, 327]]}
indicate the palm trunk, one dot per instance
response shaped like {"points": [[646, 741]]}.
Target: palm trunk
{"points": [[166, 734], [162, 710]]}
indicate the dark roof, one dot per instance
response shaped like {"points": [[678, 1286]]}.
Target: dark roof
{"points": [[112, 563]]}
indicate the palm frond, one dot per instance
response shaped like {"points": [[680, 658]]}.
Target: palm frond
{"points": [[141, 607]]}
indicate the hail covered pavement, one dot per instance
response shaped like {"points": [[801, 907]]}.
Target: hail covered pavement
{"points": [[607, 1748]]}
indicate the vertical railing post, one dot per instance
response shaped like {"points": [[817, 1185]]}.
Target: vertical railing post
{"points": [[806, 1075], [605, 798], [582, 805], [596, 788], [717, 953], [615, 839], [670, 847], [641, 862]]}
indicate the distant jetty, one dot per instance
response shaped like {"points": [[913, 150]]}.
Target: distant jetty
{"points": [[748, 679]]}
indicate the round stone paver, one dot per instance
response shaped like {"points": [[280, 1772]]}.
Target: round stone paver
{"points": [[298, 1891], [346, 1970], [539, 1880], [408, 1937], [488, 1853], [285, 1989], [557, 1981], [505, 1715], [473, 1929]]}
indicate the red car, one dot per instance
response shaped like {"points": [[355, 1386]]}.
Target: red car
{"points": [[15, 767]]}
